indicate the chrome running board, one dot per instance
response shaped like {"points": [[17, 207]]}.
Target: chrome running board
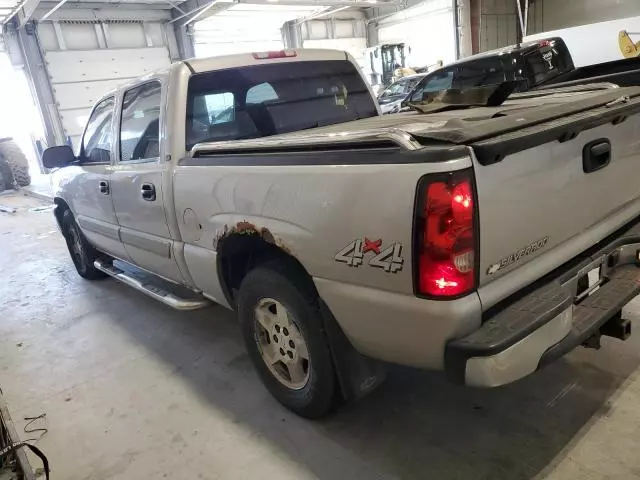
{"points": [[152, 290]]}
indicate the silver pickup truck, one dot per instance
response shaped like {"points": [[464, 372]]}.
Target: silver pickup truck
{"points": [[484, 242]]}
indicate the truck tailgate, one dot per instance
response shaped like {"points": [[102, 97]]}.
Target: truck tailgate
{"points": [[542, 206]]}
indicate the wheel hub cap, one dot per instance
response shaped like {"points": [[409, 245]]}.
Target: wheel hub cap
{"points": [[281, 344]]}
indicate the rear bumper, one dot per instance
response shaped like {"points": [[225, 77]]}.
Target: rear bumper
{"points": [[548, 322]]}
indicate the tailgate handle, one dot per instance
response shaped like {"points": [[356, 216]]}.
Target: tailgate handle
{"points": [[596, 155]]}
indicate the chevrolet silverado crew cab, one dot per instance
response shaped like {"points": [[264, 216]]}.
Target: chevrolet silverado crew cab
{"points": [[483, 241]]}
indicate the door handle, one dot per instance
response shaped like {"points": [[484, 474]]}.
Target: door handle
{"points": [[148, 191], [596, 155], [103, 186]]}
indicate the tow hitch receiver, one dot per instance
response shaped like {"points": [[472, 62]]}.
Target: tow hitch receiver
{"points": [[617, 327]]}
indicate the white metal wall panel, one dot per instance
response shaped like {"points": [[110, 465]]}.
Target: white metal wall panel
{"points": [[545, 15], [78, 36], [355, 46], [93, 65], [427, 28], [85, 60], [125, 35]]}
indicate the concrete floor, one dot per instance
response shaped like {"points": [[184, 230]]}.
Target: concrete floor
{"points": [[134, 390]]}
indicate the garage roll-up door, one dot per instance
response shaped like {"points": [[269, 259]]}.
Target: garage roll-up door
{"points": [[427, 28], [87, 59]]}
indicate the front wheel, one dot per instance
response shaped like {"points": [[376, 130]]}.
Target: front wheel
{"points": [[82, 252], [283, 331]]}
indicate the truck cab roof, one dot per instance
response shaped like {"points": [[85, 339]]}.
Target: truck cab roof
{"points": [[198, 65]]}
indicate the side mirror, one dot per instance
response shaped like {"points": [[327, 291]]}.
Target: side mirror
{"points": [[56, 157]]}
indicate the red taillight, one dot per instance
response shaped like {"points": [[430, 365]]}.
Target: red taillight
{"points": [[544, 43], [446, 240], [274, 54]]}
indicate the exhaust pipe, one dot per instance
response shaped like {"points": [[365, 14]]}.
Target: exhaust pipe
{"points": [[617, 327]]}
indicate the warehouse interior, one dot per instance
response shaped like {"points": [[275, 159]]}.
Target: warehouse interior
{"points": [[111, 384]]}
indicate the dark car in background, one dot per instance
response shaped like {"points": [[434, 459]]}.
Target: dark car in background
{"points": [[530, 64]]}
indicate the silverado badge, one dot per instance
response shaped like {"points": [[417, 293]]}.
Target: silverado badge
{"points": [[516, 256]]}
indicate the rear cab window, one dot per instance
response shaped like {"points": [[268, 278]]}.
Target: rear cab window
{"points": [[263, 100]]}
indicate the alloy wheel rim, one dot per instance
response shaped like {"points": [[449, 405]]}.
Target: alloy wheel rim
{"points": [[281, 344]]}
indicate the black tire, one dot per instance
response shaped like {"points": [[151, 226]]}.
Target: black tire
{"points": [[82, 252], [6, 177], [281, 282], [17, 161]]}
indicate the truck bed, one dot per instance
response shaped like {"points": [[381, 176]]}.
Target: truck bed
{"points": [[528, 156]]}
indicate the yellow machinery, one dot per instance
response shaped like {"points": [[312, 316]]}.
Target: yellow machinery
{"points": [[628, 48]]}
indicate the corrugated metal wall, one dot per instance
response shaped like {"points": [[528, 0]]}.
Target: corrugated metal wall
{"points": [[498, 24], [86, 59]]}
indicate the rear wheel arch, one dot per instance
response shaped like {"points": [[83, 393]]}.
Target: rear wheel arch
{"points": [[238, 254]]}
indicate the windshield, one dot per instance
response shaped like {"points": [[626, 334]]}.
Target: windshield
{"points": [[401, 87], [264, 100]]}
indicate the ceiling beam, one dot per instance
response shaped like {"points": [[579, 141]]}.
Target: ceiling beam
{"points": [[201, 12], [53, 10], [24, 12], [323, 13], [193, 6]]}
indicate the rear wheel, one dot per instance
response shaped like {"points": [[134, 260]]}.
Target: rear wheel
{"points": [[283, 331], [82, 252], [17, 161]]}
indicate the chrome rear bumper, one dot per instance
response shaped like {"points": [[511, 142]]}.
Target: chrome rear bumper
{"points": [[548, 322]]}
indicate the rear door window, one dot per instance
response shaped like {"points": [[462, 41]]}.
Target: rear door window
{"points": [[274, 98]]}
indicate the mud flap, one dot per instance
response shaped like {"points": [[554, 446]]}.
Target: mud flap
{"points": [[358, 375]]}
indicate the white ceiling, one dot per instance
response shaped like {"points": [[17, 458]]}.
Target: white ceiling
{"points": [[6, 8], [241, 18]]}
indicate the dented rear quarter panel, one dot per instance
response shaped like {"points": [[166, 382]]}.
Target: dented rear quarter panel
{"points": [[310, 211], [313, 212]]}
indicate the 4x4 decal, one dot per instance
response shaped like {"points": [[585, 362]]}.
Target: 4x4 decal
{"points": [[389, 259]]}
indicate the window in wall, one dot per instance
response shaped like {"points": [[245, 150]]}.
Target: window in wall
{"points": [[97, 140], [140, 124]]}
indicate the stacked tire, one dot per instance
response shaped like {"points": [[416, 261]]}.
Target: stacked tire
{"points": [[6, 176], [12, 155]]}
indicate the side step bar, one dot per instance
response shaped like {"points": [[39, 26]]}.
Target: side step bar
{"points": [[154, 291]]}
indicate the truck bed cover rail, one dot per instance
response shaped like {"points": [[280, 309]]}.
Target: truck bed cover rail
{"points": [[375, 138]]}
